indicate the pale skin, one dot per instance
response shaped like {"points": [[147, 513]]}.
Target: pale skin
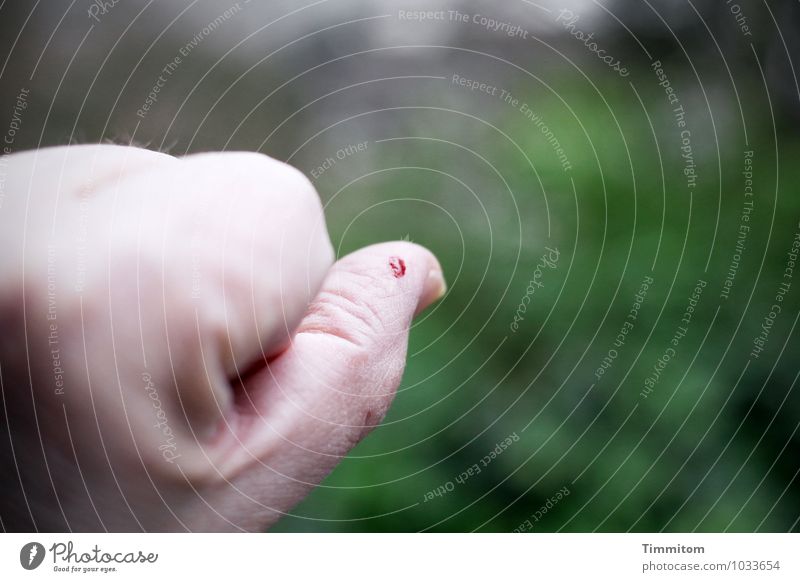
{"points": [[179, 348]]}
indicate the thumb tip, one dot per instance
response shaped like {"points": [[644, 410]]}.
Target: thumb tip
{"points": [[397, 277], [434, 288], [421, 264]]}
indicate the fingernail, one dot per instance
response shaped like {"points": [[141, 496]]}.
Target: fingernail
{"points": [[434, 289]]}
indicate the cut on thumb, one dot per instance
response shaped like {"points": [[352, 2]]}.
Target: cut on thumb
{"points": [[371, 296], [336, 381]]}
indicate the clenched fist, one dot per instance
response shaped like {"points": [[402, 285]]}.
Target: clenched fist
{"points": [[178, 349]]}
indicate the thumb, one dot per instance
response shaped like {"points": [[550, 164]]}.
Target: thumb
{"points": [[322, 396]]}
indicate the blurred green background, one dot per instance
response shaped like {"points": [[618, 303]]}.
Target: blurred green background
{"points": [[714, 445]]}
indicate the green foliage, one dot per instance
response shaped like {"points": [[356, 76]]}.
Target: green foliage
{"points": [[698, 451]]}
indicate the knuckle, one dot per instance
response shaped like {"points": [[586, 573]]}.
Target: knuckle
{"points": [[360, 303], [263, 172], [347, 314]]}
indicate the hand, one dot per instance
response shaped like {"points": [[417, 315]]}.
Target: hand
{"points": [[177, 349]]}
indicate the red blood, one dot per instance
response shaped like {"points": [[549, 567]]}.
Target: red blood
{"points": [[398, 266]]}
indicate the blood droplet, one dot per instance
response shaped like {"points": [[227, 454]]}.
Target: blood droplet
{"points": [[398, 266]]}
